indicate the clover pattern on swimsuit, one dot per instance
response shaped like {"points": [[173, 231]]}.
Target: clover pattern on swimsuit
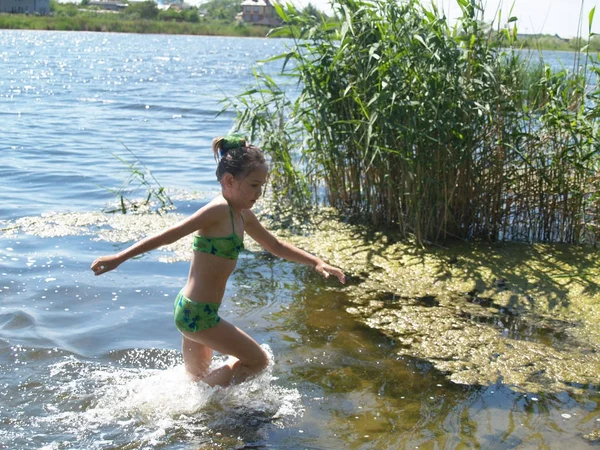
{"points": [[228, 247], [195, 316]]}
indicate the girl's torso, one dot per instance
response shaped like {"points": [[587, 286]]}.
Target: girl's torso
{"points": [[214, 257]]}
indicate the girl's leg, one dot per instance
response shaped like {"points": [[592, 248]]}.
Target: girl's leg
{"points": [[197, 358], [230, 340]]}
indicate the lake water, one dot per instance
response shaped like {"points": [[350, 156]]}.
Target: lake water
{"points": [[94, 363]]}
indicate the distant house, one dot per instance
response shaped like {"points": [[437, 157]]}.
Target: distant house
{"points": [[25, 6], [260, 12], [107, 5]]}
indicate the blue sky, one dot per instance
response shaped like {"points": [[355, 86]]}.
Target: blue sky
{"points": [[535, 16]]}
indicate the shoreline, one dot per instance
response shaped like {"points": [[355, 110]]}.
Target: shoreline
{"points": [[180, 28], [521, 313], [142, 34], [90, 22]]}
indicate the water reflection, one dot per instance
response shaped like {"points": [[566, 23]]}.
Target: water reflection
{"points": [[367, 396]]}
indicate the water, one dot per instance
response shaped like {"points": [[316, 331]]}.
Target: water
{"points": [[94, 363]]}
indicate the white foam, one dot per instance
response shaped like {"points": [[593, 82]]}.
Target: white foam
{"points": [[152, 405]]}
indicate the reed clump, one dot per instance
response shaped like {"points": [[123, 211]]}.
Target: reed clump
{"points": [[156, 199], [441, 132]]}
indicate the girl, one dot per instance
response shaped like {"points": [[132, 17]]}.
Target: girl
{"points": [[219, 229]]}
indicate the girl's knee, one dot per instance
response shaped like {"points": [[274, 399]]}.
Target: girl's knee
{"points": [[262, 363], [258, 363]]}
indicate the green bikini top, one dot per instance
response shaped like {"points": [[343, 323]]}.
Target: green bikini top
{"points": [[226, 247]]}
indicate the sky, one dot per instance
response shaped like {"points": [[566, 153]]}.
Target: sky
{"points": [[535, 16]]}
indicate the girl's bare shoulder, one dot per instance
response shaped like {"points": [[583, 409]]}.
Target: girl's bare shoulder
{"points": [[213, 213], [248, 214]]}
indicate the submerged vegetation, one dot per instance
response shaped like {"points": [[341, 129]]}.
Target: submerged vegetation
{"points": [[519, 315], [523, 316], [439, 132]]}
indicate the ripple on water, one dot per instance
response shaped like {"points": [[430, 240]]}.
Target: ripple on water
{"points": [[16, 320]]}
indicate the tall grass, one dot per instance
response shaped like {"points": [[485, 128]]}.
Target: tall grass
{"points": [[438, 131]]}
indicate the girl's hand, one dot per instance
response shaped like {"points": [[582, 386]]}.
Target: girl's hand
{"points": [[105, 264], [326, 270]]}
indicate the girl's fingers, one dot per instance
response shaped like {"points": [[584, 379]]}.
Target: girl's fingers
{"points": [[99, 267], [330, 270], [338, 273]]}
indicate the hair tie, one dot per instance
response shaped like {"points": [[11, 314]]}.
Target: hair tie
{"points": [[231, 141]]}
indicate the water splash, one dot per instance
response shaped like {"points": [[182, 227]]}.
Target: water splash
{"points": [[108, 404]]}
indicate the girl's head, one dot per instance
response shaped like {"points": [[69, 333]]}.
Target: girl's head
{"points": [[241, 168], [236, 157]]}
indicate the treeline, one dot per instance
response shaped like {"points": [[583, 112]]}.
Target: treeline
{"points": [[139, 17], [147, 10], [556, 43], [215, 17], [439, 132]]}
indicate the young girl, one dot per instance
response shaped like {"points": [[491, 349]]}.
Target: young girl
{"points": [[219, 229]]}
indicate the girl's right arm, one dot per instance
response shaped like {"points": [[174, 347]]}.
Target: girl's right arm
{"points": [[198, 220]]}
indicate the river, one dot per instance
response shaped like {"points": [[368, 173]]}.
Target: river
{"points": [[94, 363]]}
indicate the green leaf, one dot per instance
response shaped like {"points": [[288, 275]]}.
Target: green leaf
{"points": [[281, 12]]}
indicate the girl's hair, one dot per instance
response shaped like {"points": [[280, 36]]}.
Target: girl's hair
{"points": [[236, 156]]}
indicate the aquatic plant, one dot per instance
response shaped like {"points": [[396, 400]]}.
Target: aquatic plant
{"points": [[438, 131], [139, 177]]}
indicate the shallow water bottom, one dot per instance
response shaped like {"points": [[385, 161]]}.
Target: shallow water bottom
{"points": [[94, 363]]}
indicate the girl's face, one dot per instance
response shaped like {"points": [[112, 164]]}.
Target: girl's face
{"points": [[247, 190]]}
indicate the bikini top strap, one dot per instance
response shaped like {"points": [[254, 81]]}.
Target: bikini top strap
{"points": [[231, 215]]}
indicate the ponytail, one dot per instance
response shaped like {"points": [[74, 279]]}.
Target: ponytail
{"points": [[235, 156]]}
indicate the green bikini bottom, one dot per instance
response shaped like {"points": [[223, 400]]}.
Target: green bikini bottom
{"points": [[194, 316]]}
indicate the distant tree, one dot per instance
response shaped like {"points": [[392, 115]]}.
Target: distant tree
{"points": [[144, 10], [191, 15], [64, 9], [85, 2], [171, 15], [311, 10], [576, 43], [222, 9]]}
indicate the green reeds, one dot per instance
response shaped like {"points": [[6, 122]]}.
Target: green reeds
{"points": [[440, 132], [139, 177]]}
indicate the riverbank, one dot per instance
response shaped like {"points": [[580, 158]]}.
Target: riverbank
{"points": [[91, 20], [118, 23]]}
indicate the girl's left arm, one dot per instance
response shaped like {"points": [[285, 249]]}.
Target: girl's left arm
{"points": [[286, 250]]}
